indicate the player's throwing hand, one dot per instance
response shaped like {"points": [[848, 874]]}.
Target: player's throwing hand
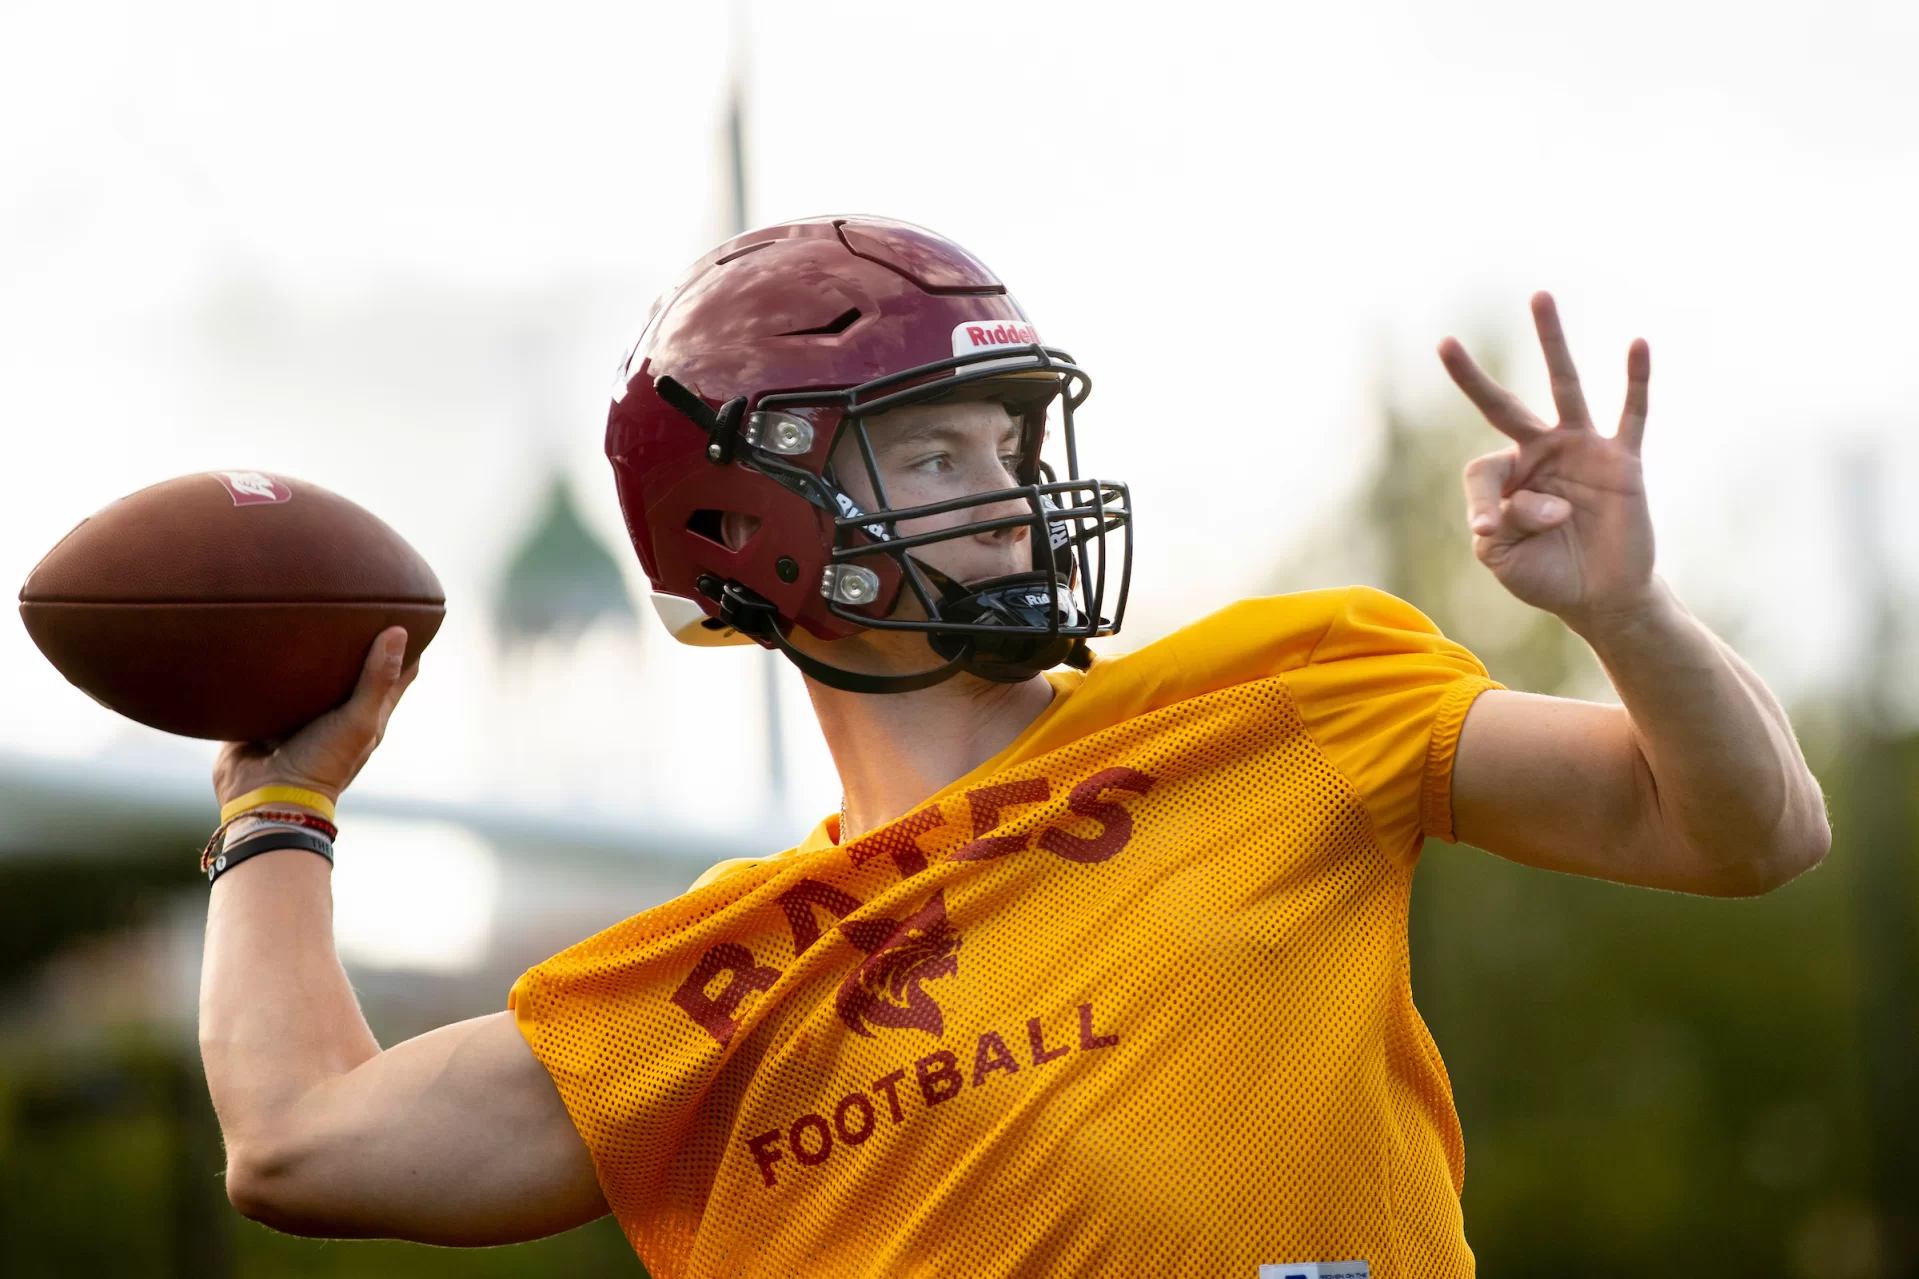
{"points": [[326, 755], [1561, 517]]}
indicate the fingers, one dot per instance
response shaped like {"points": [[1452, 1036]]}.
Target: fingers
{"points": [[1632, 419], [380, 679], [1501, 407], [400, 687], [1485, 480], [1567, 397]]}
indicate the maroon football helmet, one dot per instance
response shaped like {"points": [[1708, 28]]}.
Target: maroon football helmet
{"points": [[747, 375]]}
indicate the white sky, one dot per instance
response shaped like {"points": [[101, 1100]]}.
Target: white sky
{"points": [[396, 249]]}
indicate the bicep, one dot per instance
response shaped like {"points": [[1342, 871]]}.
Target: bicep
{"points": [[455, 1137], [1561, 785]]}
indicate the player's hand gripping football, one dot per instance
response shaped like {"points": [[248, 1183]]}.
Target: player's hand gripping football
{"points": [[328, 753], [1561, 517]]}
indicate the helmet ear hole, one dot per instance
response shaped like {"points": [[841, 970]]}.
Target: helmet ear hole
{"points": [[731, 529]]}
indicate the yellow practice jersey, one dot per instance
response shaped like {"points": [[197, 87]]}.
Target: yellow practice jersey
{"points": [[1131, 998]]}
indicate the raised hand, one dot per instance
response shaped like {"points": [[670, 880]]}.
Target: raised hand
{"points": [[1561, 516], [329, 753]]}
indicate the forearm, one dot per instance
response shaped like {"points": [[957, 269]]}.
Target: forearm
{"points": [[457, 1136], [1723, 780], [277, 1015]]}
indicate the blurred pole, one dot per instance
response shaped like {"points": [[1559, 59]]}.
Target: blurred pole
{"points": [[1887, 842], [736, 144], [736, 206]]}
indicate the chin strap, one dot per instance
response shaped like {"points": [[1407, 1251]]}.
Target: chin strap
{"points": [[722, 427], [751, 615]]}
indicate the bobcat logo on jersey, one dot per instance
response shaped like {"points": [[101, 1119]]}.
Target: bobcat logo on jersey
{"points": [[885, 989]]}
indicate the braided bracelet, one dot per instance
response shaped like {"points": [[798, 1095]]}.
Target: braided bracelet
{"points": [[287, 821]]}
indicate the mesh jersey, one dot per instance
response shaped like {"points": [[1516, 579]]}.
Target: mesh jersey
{"points": [[1130, 998]]}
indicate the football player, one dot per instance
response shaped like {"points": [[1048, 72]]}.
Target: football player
{"points": [[1102, 966]]}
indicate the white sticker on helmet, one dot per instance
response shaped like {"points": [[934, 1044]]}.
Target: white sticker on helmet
{"points": [[984, 335], [851, 510], [1058, 532]]}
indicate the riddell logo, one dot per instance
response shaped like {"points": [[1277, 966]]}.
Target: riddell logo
{"points": [[250, 488], [984, 335], [884, 989]]}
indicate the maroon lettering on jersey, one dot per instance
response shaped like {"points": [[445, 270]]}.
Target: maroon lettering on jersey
{"points": [[939, 1077], [900, 841], [987, 803], [992, 1054], [1084, 799], [714, 1013], [848, 1104], [796, 1139], [765, 1151], [1087, 1039], [1036, 1040], [890, 1086], [798, 903]]}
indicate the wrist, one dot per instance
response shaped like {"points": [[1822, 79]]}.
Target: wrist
{"points": [[1623, 624], [265, 828]]}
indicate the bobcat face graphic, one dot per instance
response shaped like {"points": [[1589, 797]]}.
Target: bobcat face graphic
{"points": [[885, 989]]}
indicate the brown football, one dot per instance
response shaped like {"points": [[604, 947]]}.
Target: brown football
{"points": [[235, 605]]}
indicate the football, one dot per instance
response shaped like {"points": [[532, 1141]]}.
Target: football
{"points": [[233, 605]]}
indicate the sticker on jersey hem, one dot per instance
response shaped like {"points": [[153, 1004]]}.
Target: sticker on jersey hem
{"points": [[1317, 1270]]}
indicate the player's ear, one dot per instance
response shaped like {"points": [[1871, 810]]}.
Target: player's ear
{"points": [[737, 528]]}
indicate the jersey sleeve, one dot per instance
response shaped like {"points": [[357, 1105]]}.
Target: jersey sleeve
{"points": [[1384, 696]]}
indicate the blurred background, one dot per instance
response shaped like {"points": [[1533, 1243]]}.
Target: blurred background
{"points": [[398, 249]]}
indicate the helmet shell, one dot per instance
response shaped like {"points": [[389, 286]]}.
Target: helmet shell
{"points": [[822, 304]]}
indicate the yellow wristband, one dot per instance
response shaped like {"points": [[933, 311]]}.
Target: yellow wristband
{"points": [[277, 795]]}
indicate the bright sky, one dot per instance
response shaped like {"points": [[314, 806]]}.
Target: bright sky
{"points": [[397, 249]]}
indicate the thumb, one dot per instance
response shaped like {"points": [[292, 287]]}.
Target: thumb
{"points": [[1485, 480], [1531, 511]]}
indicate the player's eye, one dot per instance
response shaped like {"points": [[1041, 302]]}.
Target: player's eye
{"points": [[934, 463]]}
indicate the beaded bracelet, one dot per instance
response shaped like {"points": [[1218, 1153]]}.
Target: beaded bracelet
{"points": [[287, 817]]}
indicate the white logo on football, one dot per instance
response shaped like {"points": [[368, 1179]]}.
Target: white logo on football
{"points": [[251, 482]]}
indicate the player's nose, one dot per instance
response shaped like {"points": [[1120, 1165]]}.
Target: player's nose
{"points": [[1004, 509]]}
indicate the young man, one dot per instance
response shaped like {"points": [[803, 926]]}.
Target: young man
{"points": [[1100, 970]]}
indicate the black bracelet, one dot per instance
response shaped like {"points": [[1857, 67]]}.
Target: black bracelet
{"points": [[268, 841]]}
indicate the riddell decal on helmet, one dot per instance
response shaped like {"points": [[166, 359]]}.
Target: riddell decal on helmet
{"points": [[851, 510], [250, 488], [984, 335]]}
